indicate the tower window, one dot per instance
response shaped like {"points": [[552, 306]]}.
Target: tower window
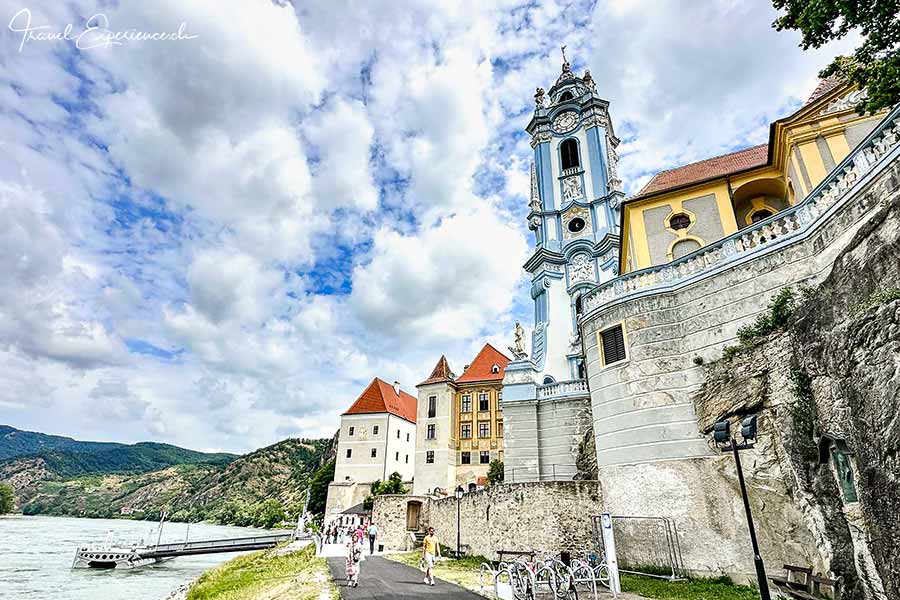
{"points": [[569, 152], [613, 342], [374, 452], [375, 430], [760, 215], [432, 406], [575, 225], [566, 96], [349, 452], [351, 431], [429, 435], [429, 457], [578, 305], [679, 221]]}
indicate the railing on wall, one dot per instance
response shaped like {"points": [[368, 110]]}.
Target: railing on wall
{"points": [[768, 233], [563, 389]]}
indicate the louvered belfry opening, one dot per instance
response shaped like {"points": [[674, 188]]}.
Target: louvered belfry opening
{"points": [[613, 345]]}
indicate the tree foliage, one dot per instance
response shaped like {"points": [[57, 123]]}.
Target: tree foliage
{"points": [[318, 487], [875, 65], [393, 485], [6, 498], [495, 472]]}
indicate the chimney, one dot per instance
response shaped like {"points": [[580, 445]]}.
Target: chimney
{"points": [[397, 387]]}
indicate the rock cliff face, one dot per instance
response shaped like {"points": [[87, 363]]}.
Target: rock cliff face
{"points": [[829, 385]]}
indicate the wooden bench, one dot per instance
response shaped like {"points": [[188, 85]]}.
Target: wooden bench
{"points": [[799, 582]]}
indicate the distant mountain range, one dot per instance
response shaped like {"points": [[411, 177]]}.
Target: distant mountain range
{"points": [[60, 476], [67, 457]]}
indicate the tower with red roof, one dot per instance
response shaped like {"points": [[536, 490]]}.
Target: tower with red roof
{"points": [[460, 423]]}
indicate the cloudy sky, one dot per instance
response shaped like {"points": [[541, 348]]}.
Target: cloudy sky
{"points": [[218, 241]]}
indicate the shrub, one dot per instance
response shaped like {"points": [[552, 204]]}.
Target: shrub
{"points": [[6, 498], [875, 298], [495, 472], [779, 313]]}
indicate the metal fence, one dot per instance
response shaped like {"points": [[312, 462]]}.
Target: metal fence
{"points": [[645, 546]]}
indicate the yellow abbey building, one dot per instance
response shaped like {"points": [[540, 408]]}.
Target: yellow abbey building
{"points": [[686, 208], [460, 424]]}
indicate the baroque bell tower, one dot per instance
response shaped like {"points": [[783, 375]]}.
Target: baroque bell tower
{"points": [[574, 214], [575, 198]]}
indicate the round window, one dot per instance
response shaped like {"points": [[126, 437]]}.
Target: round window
{"points": [[680, 221], [576, 225]]}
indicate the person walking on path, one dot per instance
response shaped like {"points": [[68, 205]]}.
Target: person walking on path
{"points": [[373, 533], [431, 549], [354, 557]]}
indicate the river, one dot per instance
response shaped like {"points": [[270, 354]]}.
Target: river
{"points": [[36, 557]]}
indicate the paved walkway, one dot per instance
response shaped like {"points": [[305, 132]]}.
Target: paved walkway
{"points": [[383, 578]]}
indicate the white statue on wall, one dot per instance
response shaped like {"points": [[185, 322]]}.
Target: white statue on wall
{"points": [[518, 349]]}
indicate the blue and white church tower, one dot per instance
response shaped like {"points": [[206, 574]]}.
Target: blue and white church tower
{"points": [[574, 214]]}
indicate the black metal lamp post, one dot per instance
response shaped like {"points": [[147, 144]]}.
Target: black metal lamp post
{"points": [[459, 494], [723, 438]]}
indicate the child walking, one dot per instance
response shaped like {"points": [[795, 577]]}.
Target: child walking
{"points": [[354, 557]]}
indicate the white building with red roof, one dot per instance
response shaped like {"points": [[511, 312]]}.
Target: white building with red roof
{"points": [[377, 438]]}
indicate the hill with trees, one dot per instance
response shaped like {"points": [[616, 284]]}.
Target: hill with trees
{"points": [[88, 479]]}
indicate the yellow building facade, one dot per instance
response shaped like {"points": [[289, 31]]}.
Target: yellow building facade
{"points": [[460, 424], [683, 209]]}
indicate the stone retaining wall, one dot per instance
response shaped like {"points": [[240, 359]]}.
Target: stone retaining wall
{"points": [[550, 516]]}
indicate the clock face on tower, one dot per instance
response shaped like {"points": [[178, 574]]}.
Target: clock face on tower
{"points": [[565, 122]]}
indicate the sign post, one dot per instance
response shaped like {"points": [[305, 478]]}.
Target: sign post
{"points": [[609, 546]]}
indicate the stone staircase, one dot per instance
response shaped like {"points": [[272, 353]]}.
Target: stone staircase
{"points": [[416, 538]]}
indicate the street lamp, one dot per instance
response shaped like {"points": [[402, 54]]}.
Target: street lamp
{"points": [[459, 494], [725, 442]]}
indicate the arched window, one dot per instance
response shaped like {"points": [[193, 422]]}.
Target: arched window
{"points": [[679, 221], [495, 369], [569, 152], [578, 305], [684, 247], [759, 215], [548, 380], [566, 96]]}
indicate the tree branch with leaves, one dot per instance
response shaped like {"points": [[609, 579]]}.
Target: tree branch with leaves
{"points": [[875, 65]]}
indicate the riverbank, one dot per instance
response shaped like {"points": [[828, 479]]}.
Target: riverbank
{"points": [[268, 575], [36, 555]]}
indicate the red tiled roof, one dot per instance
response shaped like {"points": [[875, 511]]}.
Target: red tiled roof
{"points": [[440, 373], [825, 86], [710, 168], [380, 397], [480, 369]]}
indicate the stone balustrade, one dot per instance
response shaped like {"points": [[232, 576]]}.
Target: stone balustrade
{"points": [[769, 233], [563, 389]]}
